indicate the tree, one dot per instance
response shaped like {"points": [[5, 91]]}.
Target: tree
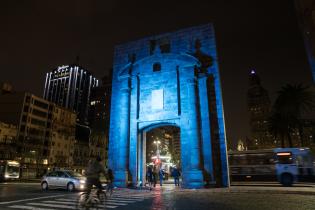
{"points": [[292, 102], [279, 127]]}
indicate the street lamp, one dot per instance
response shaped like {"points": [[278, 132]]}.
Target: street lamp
{"points": [[157, 149]]}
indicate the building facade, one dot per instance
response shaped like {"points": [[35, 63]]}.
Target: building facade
{"points": [[38, 128], [70, 86], [259, 107], [169, 80], [8, 133], [62, 138], [99, 117]]}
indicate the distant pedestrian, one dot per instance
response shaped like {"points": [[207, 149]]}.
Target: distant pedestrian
{"points": [[110, 181], [150, 177], [176, 175], [161, 176], [155, 174]]}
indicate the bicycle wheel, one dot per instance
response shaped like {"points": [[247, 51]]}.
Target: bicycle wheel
{"points": [[102, 199], [82, 201], [109, 191]]}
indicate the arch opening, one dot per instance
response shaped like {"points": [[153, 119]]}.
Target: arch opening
{"points": [[159, 148]]}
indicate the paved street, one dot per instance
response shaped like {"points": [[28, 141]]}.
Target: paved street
{"points": [[270, 196]]}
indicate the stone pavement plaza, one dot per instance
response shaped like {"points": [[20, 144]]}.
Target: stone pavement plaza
{"points": [[233, 198], [169, 197]]}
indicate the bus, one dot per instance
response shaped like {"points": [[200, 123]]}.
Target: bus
{"points": [[286, 165], [9, 170]]}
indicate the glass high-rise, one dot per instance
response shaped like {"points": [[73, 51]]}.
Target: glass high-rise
{"points": [[70, 86]]}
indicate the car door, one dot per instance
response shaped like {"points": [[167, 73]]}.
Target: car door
{"points": [[52, 178], [62, 179]]}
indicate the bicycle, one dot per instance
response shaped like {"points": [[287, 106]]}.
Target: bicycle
{"points": [[109, 189], [95, 199]]}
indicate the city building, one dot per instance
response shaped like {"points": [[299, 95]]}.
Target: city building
{"points": [[62, 138], [99, 117], [70, 86], [8, 133], [38, 129], [306, 18], [259, 107], [81, 153]]}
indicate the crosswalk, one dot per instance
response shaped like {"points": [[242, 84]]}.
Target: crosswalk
{"points": [[118, 199]]}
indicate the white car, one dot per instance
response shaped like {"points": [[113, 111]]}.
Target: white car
{"points": [[69, 180]]}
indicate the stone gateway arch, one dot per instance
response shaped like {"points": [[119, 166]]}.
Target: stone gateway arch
{"points": [[169, 80]]}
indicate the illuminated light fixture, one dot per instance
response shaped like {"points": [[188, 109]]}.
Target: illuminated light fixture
{"points": [[253, 72], [284, 153], [161, 157], [13, 162]]}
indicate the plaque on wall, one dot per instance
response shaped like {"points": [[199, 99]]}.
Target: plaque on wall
{"points": [[157, 99]]}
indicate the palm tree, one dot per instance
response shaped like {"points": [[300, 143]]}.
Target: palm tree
{"points": [[292, 102], [279, 127]]}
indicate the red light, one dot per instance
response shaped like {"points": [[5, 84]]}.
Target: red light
{"points": [[157, 161]]}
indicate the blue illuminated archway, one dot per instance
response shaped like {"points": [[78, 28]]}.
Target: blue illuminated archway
{"points": [[170, 79]]}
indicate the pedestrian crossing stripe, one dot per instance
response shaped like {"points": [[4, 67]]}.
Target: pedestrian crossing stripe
{"points": [[28, 207], [71, 202], [52, 205]]}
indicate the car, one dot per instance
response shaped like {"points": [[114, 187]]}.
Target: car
{"points": [[66, 179]]}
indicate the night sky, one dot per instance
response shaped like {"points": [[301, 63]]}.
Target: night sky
{"points": [[38, 36]]}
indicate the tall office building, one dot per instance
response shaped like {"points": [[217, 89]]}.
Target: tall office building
{"points": [[70, 87], [259, 109], [306, 18], [99, 118]]}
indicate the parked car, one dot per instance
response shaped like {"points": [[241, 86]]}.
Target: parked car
{"points": [[69, 180]]}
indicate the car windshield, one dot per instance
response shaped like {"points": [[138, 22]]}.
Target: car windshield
{"points": [[74, 174]]}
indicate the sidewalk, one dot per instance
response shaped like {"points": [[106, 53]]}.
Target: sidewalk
{"points": [[303, 190], [255, 189]]}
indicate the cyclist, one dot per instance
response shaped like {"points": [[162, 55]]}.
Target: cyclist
{"points": [[93, 171], [110, 179]]}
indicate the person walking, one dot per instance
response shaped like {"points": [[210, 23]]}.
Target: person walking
{"points": [[110, 181], [154, 176], [176, 175], [150, 177], [161, 176]]}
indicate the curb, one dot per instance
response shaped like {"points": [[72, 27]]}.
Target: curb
{"points": [[271, 191]]}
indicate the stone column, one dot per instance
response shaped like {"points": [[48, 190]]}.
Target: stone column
{"points": [[133, 143], [121, 170], [190, 135]]}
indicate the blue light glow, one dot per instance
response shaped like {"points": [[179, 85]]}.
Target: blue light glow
{"points": [[180, 90]]}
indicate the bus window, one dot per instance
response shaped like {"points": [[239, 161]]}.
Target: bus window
{"points": [[284, 158], [12, 169]]}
